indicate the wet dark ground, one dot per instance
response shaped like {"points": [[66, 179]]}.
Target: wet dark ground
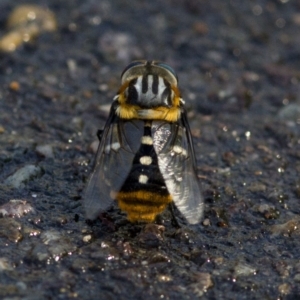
{"points": [[239, 70]]}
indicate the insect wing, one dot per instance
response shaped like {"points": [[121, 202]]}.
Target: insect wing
{"points": [[176, 160], [120, 141]]}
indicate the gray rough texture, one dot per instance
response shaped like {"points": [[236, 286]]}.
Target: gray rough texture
{"points": [[238, 64]]}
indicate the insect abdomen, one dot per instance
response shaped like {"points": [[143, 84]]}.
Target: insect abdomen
{"points": [[144, 193]]}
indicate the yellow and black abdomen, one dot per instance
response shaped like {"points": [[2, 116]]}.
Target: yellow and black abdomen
{"points": [[145, 159], [144, 193]]}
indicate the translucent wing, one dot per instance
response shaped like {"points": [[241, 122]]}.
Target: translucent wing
{"points": [[176, 160], [119, 143]]}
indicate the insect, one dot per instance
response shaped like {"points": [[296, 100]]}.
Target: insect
{"points": [[145, 159]]}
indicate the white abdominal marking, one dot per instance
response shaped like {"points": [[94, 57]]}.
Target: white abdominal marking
{"points": [[143, 179], [147, 140], [146, 160]]}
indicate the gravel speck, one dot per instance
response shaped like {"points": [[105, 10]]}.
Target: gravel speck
{"points": [[23, 175], [15, 208]]}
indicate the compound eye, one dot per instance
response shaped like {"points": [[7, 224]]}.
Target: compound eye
{"points": [[167, 67], [133, 64]]}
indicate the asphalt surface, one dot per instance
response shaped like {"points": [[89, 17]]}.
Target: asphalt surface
{"points": [[238, 64]]}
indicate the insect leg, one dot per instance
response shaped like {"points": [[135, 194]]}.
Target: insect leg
{"points": [[99, 134], [175, 222]]}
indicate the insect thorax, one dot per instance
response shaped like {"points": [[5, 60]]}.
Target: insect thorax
{"points": [[149, 97]]}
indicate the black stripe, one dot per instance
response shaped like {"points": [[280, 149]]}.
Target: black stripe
{"points": [[155, 84], [144, 84], [155, 181], [132, 96], [147, 131], [166, 94]]}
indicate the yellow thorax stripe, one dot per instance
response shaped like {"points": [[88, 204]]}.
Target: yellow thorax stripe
{"points": [[129, 111]]}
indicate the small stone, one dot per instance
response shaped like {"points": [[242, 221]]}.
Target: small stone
{"points": [[257, 187], [50, 236], [125, 248], [268, 211], [297, 277], [202, 284], [290, 112], [14, 86], [158, 258], [38, 252], [15, 208], [204, 279], [10, 229], [87, 238], [57, 244], [45, 150], [288, 228], [242, 269], [78, 122], [5, 264], [164, 278], [25, 23], [23, 175], [206, 222], [105, 108], [284, 288]]}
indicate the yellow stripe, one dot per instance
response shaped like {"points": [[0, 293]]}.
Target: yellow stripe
{"points": [[142, 211], [127, 111], [143, 195], [148, 218], [176, 99]]}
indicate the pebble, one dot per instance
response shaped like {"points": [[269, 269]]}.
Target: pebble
{"points": [[10, 229], [202, 284], [5, 264], [290, 112], [284, 288], [14, 86], [54, 246], [206, 222], [297, 277], [242, 269], [262, 208], [268, 211], [78, 123], [257, 187], [23, 175], [87, 238], [105, 108], [15, 208], [25, 23], [50, 236], [45, 150], [290, 227]]}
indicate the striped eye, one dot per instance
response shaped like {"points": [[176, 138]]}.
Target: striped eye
{"points": [[133, 64], [167, 67]]}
